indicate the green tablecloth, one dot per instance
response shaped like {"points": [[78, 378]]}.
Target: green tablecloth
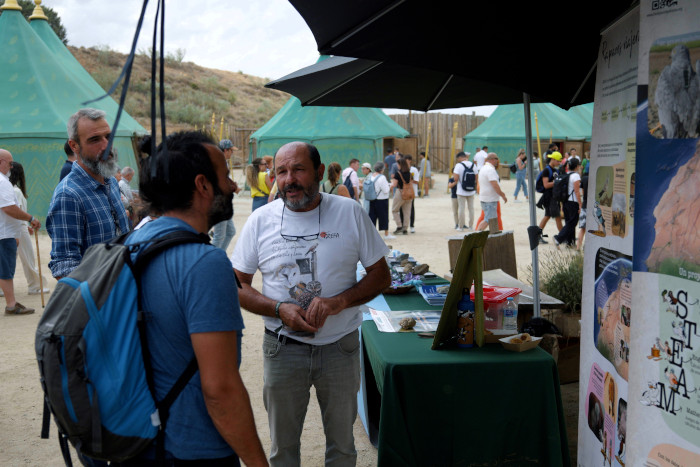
{"points": [[480, 406]]}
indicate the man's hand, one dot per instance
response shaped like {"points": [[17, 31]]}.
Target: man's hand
{"points": [[294, 317], [322, 308], [35, 223]]}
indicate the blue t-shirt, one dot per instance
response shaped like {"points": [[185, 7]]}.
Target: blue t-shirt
{"points": [[454, 188], [187, 289]]}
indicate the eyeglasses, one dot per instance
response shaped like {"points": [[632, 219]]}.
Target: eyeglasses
{"points": [[307, 238]]}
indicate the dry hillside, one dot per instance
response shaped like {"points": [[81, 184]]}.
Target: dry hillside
{"points": [[192, 92]]}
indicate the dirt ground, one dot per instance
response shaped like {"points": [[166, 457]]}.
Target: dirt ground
{"points": [[20, 393]]}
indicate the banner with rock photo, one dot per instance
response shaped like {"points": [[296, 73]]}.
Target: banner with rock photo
{"points": [[606, 310], [663, 396]]}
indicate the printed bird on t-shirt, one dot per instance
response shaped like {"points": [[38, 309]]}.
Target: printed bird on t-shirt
{"points": [[311, 249]]}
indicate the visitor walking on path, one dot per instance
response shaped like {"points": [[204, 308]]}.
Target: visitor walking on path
{"points": [[572, 205], [403, 176], [520, 174]]}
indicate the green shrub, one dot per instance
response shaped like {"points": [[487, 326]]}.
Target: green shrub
{"points": [[561, 276]]}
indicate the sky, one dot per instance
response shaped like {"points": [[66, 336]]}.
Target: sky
{"points": [[265, 38]]}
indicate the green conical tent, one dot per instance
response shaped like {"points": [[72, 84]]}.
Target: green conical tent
{"points": [[39, 90], [504, 131], [339, 133]]}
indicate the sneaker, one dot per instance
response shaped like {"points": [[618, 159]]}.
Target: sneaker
{"points": [[543, 241], [398, 230], [18, 309], [37, 291], [405, 232], [556, 242], [457, 227], [460, 229], [413, 230], [389, 237]]}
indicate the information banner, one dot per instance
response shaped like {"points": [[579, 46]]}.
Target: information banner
{"points": [[607, 310], [664, 402]]}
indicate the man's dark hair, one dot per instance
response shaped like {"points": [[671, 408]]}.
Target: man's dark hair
{"points": [[460, 154], [408, 156], [352, 161], [389, 150], [166, 179], [573, 164], [67, 149], [552, 146], [484, 148]]}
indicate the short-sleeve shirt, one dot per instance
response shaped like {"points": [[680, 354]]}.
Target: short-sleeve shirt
{"points": [[354, 179], [9, 226], [299, 270], [381, 185], [573, 178], [416, 178], [187, 289], [487, 192]]}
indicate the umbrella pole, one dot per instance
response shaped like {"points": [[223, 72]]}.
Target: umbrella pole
{"points": [[533, 216]]}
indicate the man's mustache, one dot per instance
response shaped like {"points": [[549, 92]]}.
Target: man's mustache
{"points": [[294, 186]]}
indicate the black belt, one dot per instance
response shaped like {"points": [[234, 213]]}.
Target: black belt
{"points": [[284, 339]]}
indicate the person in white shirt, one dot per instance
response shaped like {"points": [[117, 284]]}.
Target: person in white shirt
{"points": [[351, 171], [572, 206], [307, 245], [379, 208], [11, 217], [480, 157], [464, 196], [490, 190]]}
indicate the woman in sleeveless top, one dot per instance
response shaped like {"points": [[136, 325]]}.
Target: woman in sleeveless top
{"points": [[333, 185]]}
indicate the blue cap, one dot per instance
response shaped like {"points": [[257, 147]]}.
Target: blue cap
{"points": [[225, 144]]}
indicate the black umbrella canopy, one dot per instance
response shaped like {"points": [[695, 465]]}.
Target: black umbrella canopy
{"points": [[353, 82], [547, 49]]}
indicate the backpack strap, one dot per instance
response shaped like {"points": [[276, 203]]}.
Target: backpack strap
{"points": [[157, 246]]}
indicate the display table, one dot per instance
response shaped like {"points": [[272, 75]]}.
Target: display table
{"points": [[483, 406]]}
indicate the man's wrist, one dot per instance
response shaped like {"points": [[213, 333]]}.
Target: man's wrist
{"points": [[31, 218]]}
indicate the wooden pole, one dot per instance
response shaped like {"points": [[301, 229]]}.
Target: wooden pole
{"points": [[455, 129], [221, 129], [38, 266], [539, 147], [425, 164]]}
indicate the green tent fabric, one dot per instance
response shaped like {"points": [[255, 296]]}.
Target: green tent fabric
{"points": [[504, 131], [39, 90], [339, 133]]}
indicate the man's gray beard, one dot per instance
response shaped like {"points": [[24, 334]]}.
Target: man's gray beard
{"points": [[305, 201], [105, 169]]}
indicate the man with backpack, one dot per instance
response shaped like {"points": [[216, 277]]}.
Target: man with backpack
{"points": [[545, 185], [465, 175], [351, 180], [190, 295]]}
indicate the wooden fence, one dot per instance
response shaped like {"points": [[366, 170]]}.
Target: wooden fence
{"points": [[441, 129]]}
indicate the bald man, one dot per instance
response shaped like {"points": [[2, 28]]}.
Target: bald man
{"points": [[11, 225]]}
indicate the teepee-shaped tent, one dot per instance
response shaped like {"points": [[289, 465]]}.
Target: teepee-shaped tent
{"points": [[339, 133], [503, 132], [40, 88]]}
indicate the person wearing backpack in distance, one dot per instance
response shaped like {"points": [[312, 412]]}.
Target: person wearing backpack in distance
{"points": [[190, 294], [572, 205], [544, 185], [351, 180], [465, 174]]}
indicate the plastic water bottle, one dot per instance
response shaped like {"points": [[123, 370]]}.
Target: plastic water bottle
{"points": [[510, 316], [465, 322]]}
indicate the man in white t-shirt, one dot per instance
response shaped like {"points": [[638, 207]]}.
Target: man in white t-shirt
{"points": [[306, 245], [11, 217], [490, 190], [465, 196], [351, 171], [480, 158]]}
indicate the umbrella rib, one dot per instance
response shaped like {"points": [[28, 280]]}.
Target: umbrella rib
{"points": [[437, 95], [366, 23], [585, 80], [341, 84]]}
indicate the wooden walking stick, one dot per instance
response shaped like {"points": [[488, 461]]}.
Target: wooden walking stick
{"points": [[38, 266]]}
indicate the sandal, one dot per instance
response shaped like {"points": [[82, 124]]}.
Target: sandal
{"points": [[18, 309]]}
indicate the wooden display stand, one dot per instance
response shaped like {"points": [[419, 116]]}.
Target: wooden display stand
{"points": [[498, 252], [467, 270]]}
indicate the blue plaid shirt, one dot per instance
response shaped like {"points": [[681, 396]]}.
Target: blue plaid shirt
{"points": [[82, 212]]}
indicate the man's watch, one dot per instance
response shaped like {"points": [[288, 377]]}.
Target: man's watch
{"points": [[31, 219]]}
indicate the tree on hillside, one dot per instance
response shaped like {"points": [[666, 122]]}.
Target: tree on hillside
{"points": [[54, 19]]}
